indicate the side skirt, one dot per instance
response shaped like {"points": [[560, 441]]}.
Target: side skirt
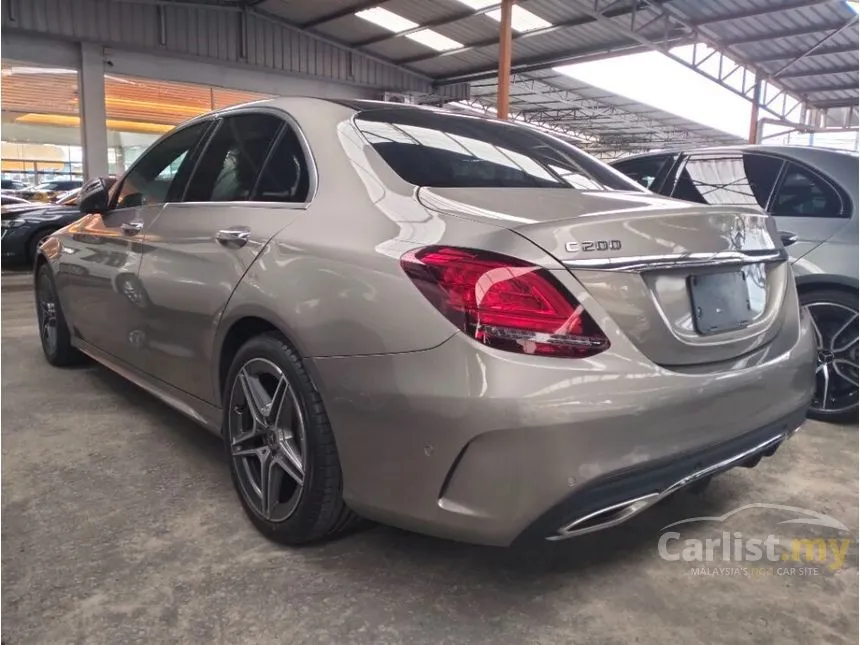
{"points": [[198, 411]]}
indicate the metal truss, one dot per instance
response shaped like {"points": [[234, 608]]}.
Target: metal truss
{"points": [[612, 131], [585, 110], [708, 56]]}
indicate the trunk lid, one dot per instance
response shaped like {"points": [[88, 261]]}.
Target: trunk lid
{"points": [[687, 284]]}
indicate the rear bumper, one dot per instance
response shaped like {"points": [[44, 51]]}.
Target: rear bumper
{"points": [[611, 500], [473, 444]]}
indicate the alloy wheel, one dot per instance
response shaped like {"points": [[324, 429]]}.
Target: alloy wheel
{"points": [[836, 338], [267, 439], [47, 308]]}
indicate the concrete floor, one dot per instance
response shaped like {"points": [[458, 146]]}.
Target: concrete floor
{"points": [[120, 525]]}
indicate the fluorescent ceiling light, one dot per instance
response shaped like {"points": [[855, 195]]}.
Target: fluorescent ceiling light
{"points": [[387, 19], [478, 4], [521, 19], [396, 24], [434, 40]]}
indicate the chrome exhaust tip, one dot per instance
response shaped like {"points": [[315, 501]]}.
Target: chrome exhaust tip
{"points": [[617, 513], [605, 517]]}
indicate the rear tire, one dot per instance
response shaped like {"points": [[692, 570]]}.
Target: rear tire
{"points": [[834, 314], [53, 330], [279, 440]]}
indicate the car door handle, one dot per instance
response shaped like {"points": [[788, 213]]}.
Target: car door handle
{"points": [[131, 228], [234, 237], [788, 238]]}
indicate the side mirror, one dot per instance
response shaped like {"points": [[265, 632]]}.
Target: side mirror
{"points": [[94, 196]]}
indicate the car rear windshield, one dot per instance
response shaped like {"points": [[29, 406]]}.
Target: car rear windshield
{"points": [[441, 150]]}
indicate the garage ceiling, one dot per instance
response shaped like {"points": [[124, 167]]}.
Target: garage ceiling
{"points": [[804, 51]]}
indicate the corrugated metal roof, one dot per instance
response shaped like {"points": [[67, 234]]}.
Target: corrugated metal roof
{"points": [[771, 36], [767, 33]]}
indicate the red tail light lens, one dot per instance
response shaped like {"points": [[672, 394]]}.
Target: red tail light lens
{"points": [[504, 302]]}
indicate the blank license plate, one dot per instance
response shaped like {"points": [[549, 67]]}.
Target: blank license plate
{"points": [[721, 302]]}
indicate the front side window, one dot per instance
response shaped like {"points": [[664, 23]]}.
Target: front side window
{"points": [[741, 179], [153, 178], [802, 194], [436, 149]]}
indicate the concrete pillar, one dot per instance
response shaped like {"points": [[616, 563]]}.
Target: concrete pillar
{"points": [[93, 114]]}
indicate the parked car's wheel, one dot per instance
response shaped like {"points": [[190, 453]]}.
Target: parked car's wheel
{"points": [[834, 317], [53, 330], [283, 459], [35, 242]]}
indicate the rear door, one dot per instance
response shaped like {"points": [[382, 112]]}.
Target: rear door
{"points": [[98, 269], [808, 208], [252, 180]]}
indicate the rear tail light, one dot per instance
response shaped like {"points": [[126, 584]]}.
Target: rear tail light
{"points": [[504, 302]]}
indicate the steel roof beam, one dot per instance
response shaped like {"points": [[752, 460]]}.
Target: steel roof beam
{"points": [[846, 69], [841, 49], [825, 88], [805, 31], [540, 63], [764, 11]]}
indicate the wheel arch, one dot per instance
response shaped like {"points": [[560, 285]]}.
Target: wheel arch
{"points": [[815, 281], [235, 332]]}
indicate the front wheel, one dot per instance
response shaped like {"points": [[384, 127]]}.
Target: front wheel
{"points": [[53, 330], [283, 459], [834, 316]]}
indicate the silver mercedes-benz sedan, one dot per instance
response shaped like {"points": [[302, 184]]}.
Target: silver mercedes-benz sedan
{"points": [[451, 324]]}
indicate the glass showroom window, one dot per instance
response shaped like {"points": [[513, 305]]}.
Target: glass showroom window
{"points": [[140, 110], [41, 139]]}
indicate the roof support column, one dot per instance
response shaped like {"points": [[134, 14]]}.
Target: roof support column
{"points": [[505, 43], [754, 110], [92, 108]]}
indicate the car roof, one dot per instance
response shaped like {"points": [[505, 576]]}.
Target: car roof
{"points": [[795, 152]]}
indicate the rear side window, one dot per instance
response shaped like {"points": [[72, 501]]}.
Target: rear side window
{"points": [[428, 148], [233, 159], [644, 171], [802, 194], [741, 179], [285, 177]]}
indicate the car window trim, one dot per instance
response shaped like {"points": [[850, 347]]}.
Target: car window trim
{"points": [[117, 187], [845, 204], [288, 121]]}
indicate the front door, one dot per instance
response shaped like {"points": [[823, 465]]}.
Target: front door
{"points": [[252, 180], [102, 251]]}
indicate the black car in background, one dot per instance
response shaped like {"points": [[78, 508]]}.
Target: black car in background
{"points": [[25, 226], [12, 184]]}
